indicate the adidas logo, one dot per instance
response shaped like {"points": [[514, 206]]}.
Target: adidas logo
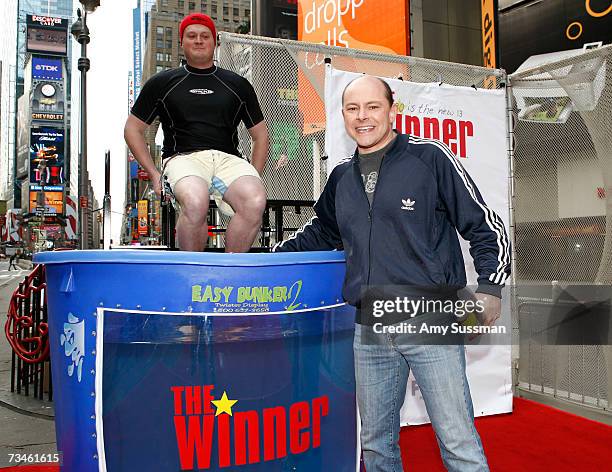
{"points": [[408, 204]]}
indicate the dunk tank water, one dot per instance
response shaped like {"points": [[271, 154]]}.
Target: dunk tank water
{"points": [[167, 361]]}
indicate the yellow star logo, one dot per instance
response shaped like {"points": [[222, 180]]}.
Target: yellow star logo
{"points": [[224, 405]]}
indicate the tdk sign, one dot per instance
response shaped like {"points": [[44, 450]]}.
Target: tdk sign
{"points": [[46, 69]]}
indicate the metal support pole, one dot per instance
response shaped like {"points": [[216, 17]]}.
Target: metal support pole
{"points": [[516, 350], [83, 65], [106, 205]]}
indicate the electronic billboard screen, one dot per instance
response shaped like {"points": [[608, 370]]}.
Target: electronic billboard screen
{"points": [[47, 200], [47, 155], [47, 35]]}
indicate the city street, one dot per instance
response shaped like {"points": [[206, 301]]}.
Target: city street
{"points": [[25, 428], [9, 278]]}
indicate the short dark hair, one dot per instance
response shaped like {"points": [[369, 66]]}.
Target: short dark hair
{"points": [[386, 87]]}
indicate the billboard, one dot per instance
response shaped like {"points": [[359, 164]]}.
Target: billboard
{"points": [[47, 155], [143, 217], [489, 57], [137, 50], [373, 25], [45, 68], [47, 199], [47, 35], [48, 98], [13, 230], [130, 91], [276, 18], [37, 116], [50, 175], [71, 217], [23, 137], [530, 28]]}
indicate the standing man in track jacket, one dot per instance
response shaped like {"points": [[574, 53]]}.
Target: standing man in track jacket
{"points": [[395, 208], [200, 106]]}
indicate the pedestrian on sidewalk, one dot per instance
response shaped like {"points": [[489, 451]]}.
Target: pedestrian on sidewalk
{"points": [[13, 260]]}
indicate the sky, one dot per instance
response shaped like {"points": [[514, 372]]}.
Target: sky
{"points": [[110, 53]]}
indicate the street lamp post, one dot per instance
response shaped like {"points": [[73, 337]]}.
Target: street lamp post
{"points": [[80, 32]]}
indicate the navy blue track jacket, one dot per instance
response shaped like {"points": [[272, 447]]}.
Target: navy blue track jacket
{"points": [[409, 234]]}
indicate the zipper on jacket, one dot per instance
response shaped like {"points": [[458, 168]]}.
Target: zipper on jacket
{"points": [[370, 208]]}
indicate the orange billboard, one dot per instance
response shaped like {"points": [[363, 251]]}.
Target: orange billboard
{"points": [[488, 33], [143, 217], [373, 25], [48, 200], [488, 40]]}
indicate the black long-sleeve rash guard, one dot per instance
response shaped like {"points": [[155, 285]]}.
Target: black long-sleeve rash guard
{"points": [[199, 109]]}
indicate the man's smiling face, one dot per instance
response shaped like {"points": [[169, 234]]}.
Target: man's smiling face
{"points": [[368, 115]]}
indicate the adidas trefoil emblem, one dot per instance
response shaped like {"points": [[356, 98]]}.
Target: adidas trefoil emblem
{"points": [[408, 204]]}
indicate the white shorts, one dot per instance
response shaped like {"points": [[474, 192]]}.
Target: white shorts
{"points": [[217, 168]]}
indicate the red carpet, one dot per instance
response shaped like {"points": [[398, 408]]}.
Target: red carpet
{"points": [[534, 437], [32, 468]]}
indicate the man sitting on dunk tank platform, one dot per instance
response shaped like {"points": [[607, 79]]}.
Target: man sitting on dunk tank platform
{"points": [[200, 106]]}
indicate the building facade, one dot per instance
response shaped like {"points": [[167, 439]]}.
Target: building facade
{"points": [[446, 30], [55, 8], [529, 27], [49, 8], [8, 45], [162, 46], [41, 144]]}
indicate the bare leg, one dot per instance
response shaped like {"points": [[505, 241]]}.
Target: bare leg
{"points": [[192, 225], [247, 196]]}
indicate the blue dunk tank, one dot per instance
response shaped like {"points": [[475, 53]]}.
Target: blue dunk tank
{"points": [[168, 361]]}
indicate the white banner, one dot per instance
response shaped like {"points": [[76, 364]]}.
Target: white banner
{"points": [[473, 124]]}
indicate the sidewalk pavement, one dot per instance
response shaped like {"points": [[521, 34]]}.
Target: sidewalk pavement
{"points": [[25, 264], [26, 424]]}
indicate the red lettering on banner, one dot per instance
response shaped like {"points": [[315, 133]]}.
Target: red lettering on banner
{"points": [[299, 414], [320, 408], [277, 431], [223, 428], [431, 128], [246, 422], [454, 133], [208, 398], [194, 437], [466, 128], [275, 417], [449, 134], [178, 404], [197, 399], [193, 400], [412, 125]]}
